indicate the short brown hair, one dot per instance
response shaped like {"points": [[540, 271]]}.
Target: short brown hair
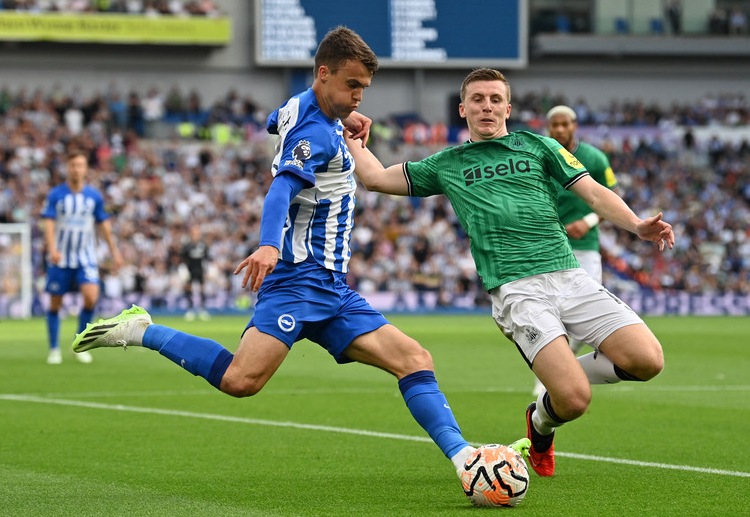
{"points": [[483, 74], [75, 153], [342, 44]]}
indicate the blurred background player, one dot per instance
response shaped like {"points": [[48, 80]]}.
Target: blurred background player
{"points": [[581, 224], [194, 254], [71, 214]]}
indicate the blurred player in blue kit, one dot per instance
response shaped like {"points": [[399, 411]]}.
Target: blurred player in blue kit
{"points": [[300, 266], [70, 216]]}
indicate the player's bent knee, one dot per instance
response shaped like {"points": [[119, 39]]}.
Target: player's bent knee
{"points": [[419, 359], [572, 403], [576, 406], [244, 387], [648, 365]]}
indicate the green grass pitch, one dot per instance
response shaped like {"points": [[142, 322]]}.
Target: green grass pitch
{"points": [[133, 435]]}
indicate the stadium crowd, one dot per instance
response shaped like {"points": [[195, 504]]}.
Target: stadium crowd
{"points": [[145, 7], [411, 248]]}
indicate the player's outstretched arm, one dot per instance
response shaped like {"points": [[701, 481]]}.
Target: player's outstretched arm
{"points": [[372, 173], [610, 206]]}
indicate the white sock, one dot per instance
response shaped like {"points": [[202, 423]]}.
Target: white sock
{"points": [[599, 369], [461, 456], [543, 423]]}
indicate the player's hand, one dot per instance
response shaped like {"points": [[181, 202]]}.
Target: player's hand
{"points": [[358, 126], [577, 229], [655, 230], [257, 266], [54, 257], [116, 262]]}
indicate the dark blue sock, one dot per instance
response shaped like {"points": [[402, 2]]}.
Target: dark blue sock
{"points": [[199, 356], [85, 317], [53, 328], [430, 409]]}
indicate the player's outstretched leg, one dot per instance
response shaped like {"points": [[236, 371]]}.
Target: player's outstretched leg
{"points": [[133, 327], [123, 330]]}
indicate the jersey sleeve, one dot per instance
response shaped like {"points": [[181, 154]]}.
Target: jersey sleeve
{"points": [[560, 163], [600, 168], [422, 176], [100, 213], [48, 210], [307, 148]]}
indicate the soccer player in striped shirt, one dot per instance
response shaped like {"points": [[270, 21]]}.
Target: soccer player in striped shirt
{"points": [[299, 269], [71, 214], [503, 187]]}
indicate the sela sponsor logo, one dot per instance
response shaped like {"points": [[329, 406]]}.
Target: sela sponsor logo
{"points": [[497, 171], [286, 322], [301, 152]]}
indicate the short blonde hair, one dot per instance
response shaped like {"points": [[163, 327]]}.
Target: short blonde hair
{"points": [[562, 110]]}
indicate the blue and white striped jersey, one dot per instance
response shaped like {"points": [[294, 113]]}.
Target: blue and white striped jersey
{"points": [[75, 215], [320, 219]]}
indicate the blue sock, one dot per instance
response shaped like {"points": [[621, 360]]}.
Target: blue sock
{"points": [[430, 409], [85, 317], [199, 356], [53, 328]]}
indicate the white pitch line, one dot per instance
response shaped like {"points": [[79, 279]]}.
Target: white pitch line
{"points": [[620, 461], [343, 430], [618, 388]]}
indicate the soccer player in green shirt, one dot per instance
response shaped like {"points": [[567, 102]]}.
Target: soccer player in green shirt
{"points": [[581, 224], [504, 187]]}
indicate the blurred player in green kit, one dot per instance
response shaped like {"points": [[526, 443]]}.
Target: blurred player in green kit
{"points": [[581, 224]]}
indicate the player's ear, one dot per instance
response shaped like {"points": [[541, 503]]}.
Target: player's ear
{"points": [[461, 110]]}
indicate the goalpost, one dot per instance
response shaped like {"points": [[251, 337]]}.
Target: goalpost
{"points": [[15, 271]]}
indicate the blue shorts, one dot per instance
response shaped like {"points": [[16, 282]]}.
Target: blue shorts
{"points": [[61, 280], [307, 301]]}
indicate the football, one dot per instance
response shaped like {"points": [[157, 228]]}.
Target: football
{"points": [[495, 475]]}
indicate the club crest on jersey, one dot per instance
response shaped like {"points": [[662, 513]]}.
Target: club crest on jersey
{"points": [[301, 153]]}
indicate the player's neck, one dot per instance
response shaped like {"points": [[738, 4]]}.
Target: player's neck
{"points": [[75, 186]]}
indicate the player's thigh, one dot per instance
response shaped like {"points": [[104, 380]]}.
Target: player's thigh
{"points": [[634, 348], [389, 349], [525, 310], [90, 294], [589, 311], [257, 358], [560, 372]]}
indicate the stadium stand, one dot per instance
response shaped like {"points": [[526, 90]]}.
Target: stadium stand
{"points": [[409, 254]]}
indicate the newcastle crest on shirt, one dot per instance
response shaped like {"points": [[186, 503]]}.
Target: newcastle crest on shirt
{"points": [[300, 154]]}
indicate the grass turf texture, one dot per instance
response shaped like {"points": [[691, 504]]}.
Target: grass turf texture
{"points": [[132, 434]]}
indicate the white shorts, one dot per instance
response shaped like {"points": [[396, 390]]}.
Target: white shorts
{"points": [[535, 310], [591, 262]]}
